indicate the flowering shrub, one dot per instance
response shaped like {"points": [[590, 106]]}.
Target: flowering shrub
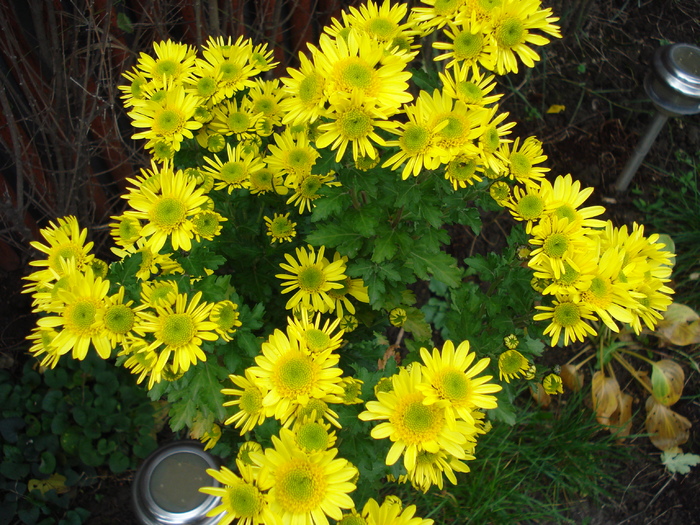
{"points": [[277, 239]]}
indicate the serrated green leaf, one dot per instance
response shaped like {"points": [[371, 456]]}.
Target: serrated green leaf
{"points": [[338, 237], [679, 463], [385, 247], [363, 220], [333, 203], [438, 265]]}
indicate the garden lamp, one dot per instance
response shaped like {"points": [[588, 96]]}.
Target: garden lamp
{"points": [[673, 85], [166, 486]]}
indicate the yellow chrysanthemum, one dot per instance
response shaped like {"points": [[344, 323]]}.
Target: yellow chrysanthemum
{"points": [[412, 425], [65, 241], [232, 171], [306, 189], [225, 315], [311, 277], [169, 120], [568, 317], [227, 61], [126, 230], [265, 97], [306, 488], [207, 224], [512, 24], [312, 336], [469, 44], [431, 467], [79, 314], [354, 122], [566, 199], [292, 154], [520, 160], [557, 240], [450, 381], [469, 85], [230, 118], [174, 63], [119, 318], [553, 384], [280, 228], [464, 170], [292, 377], [439, 13], [512, 364], [242, 499], [180, 330], [248, 399], [167, 212], [392, 513], [361, 66], [159, 293], [313, 435], [381, 22], [306, 90], [42, 346]]}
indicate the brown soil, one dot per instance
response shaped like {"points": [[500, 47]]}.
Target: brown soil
{"points": [[597, 75]]}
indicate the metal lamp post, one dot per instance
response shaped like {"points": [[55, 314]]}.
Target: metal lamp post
{"points": [[673, 86]]}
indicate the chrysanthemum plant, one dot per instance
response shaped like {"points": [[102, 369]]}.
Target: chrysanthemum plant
{"points": [[268, 259]]}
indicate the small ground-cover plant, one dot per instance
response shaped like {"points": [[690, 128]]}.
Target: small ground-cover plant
{"points": [[280, 231]]}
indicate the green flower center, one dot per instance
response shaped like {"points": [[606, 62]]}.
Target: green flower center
{"points": [[310, 186], [511, 362], [206, 223], [295, 374], [229, 71], [491, 139], [225, 315], [206, 87], [233, 172], [566, 314], [510, 33], [261, 179], [168, 122], [311, 279], [419, 419], [161, 294], [299, 159], [354, 124], [281, 227], [355, 73], [69, 252], [251, 400], [381, 28], [566, 211], [556, 245], [129, 229], [467, 46], [462, 170], [600, 288], [300, 486], [244, 500], [265, 105], [177, 329], [314, 406], [238, 122], [520, 165], [446, 7], [216, 142], [168, 213], [80, 316], [317, 340], [352, 519], [167, 67], [530, 207], [569, 275], [470, 92], [453, 385], [311, 89], [312, 437], [415, 139], [119, 319]]}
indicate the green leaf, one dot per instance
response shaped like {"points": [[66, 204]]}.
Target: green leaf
{"points": [[336, 236], [335, 201], [48, 462], [439, 265], [124, 23], [363, 220], [118, 462], [679, 463]]}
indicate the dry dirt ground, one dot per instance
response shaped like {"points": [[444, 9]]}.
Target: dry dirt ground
{"points": [[597, 74]]}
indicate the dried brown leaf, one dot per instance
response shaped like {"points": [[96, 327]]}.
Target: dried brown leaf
{"points": [[572, 377], [605, 392], [541, 397], [621, 419], [667, 380], [680, 325], [667, 428]]}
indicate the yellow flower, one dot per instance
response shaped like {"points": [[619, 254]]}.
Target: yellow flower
{"points": [[567, 316], [242, 499], [469, 85], [397, 317], [306, 189], [266, 96], [353, 121], [225, 315], [227, 61], [469, 45], [381, 22], [207, 225], [552, 384], [173, 64], [234, 171], [306, 92], [180, 330], [168, 121], [65, 241], [511, 364], [78, 311], [557, 241], [360, 66], [306, 488], [126, 230], [249, 397], [520, 160], [230, 118], [311, 278], [512, 23], [280, 228], [411, 424], [292, 377], [168, 210], [159, 293], [119, 318], [313, 337], [450, 381], [391, 513], [292, 154], [312, 435]]}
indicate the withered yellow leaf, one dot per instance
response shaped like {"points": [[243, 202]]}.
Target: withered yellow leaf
{"points": [[571, 377], [667, 428], [680, 325], [605, 392], [556, 108], [667, 380], [53, 482]]}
